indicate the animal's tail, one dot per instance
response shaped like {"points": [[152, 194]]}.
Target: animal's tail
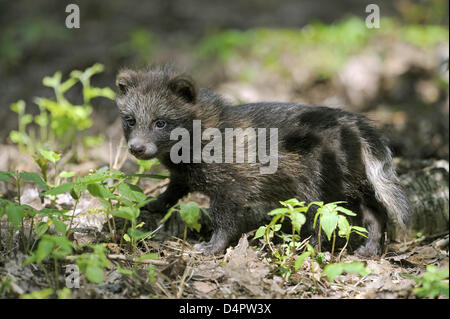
{"points": [[388, 191]]}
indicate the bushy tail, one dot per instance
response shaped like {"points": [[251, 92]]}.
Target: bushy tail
{"points": [[388, 191]]}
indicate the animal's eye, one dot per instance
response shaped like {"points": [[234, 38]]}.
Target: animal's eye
{"points": [[160, 123], [129, 120]]}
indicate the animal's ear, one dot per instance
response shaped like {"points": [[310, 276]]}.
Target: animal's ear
{"points": [[124, 80], [184, 87]]}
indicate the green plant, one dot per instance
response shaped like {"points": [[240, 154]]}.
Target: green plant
{"points": [[59, 120], [190, 214], [433, 283], [337, 269], [51, 247], [93, 263], [5, 285], [293, 210], [330, 220], [17, 213], [64, 293]]}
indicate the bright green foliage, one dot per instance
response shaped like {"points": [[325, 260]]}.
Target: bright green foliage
{"points": [[40, 294], [51, 246], [189, 212], [93, 264], [432, 284], [330, 220], [293, 210], [334, 270], [5, 285], [59, 120]]}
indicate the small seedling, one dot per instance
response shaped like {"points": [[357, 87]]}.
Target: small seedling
{"points": [[432, 284], [334, 270], [190, 214]]}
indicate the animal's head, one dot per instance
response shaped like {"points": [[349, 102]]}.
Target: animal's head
{"points": [[152, 103]]}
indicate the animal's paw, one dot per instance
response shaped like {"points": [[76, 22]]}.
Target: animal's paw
{"points": [[218, 243], [368, 250]]}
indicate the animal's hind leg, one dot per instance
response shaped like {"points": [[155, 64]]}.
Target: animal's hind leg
{"points": [[373, 220]]}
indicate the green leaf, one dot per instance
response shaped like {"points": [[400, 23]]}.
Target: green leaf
{"points": [[360, 229], [65, 174], [93, 178], [137, 234], [298, 219], [15, 214], [190, 213], [61, 189], [153, 256], [328, 222], [356, 268], [129, 213], [53, 81], [34, 177], [344, 226], [292, 202], [50, 155], [100, 191], [151, 273], [147, 164], [154, 176], [345, 211], [299, 261], [64, 246], [4, 177], [64, 293], [260, 232], [94, 273], [44, 249], [277, 211], [41, 229], [132, 192], [334, 270], [59, 226], [124, 271], [68, 84], [18, 107], [42, 294], [276, 227], [320, 258]]}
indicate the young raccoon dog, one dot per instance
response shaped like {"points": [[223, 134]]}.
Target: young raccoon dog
{"points": [[316, 154]]}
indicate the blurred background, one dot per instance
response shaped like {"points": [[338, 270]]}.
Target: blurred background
{"points": [[317, 52]]}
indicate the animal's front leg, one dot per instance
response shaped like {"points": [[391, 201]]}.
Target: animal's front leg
{"points": [[226, 229], [175, 191]]}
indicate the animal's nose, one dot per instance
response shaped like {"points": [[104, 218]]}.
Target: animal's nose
{"points": [[137, 149]]}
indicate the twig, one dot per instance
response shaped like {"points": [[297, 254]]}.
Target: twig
{"points": [[183, 280]]}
